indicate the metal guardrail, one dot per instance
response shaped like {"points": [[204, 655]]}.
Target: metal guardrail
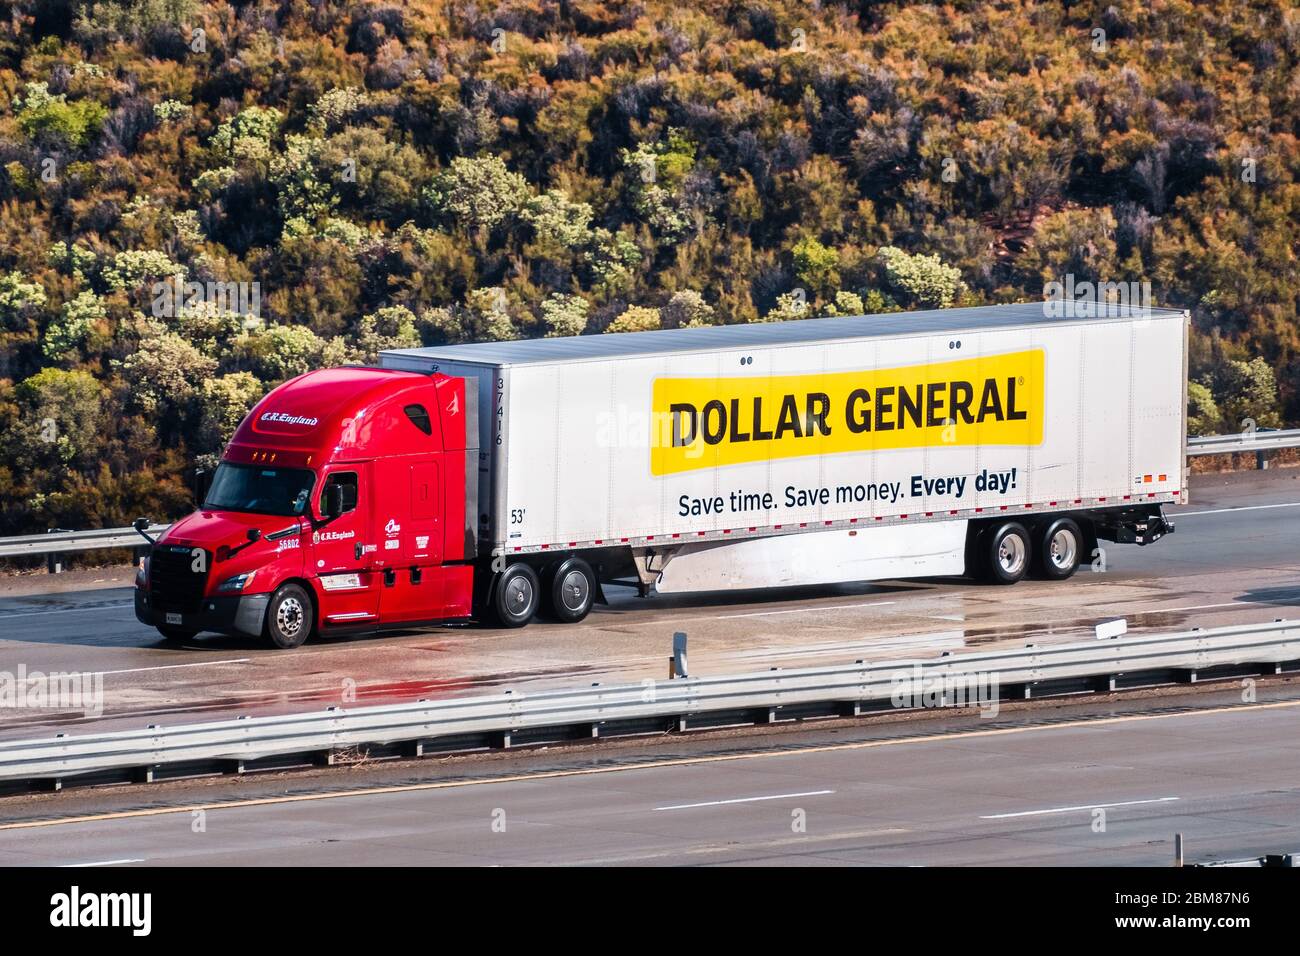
{"points": [[59, 542], [649, 706], [1247, 441]]}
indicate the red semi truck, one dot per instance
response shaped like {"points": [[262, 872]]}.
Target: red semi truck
{"points": [[501, 480]]}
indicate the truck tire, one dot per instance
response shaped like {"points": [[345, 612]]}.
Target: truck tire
{"points": [[515, 596], [1059, 549], [175, 634], [290, 617], [571, 589], [1005, 553]]}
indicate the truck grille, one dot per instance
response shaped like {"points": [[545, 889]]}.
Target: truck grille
{"points": [[174, 585]]}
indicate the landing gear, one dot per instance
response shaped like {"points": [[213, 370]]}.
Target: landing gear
{"points": [[290, 617], [571, 589], [515, 596]]}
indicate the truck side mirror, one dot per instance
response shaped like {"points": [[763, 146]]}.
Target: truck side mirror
{"points": [[201, 484], [142, 526], [254, 534], [333, 503]]}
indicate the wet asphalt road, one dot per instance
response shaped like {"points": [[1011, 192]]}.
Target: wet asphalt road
{"points": [[1235, 558]]}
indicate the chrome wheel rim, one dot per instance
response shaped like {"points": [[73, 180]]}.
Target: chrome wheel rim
{"points": [[519, 594], [573, 590], [289, 616], [1011, 554], [1063, 549]]}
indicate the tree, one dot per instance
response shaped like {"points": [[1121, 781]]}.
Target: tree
{"points": [[920, 280], [223, 403], [165, 372], [476, 194], [686, 309], [635, 318], [75, 321], [790, 306], [62, 418], [815, 265], [564, 314], [392, 327], [19, 298], [43, 116], [1203, 416]]}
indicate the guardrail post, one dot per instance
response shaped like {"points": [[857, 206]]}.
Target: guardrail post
{"points": [[1178, 849], [679, 668], [1261, 460], [54, 560]]}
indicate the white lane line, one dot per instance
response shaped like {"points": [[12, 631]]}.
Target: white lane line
{"points": [[723, 803], [1224, 511], [160, 667], [66, 610], [804, 610], [165, 667], [1199, 607], [73, 866], [1090, 806]]}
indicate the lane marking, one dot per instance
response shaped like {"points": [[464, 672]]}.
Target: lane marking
{"points": [[798, 610], [66, 610], [159, 667], [648, 765], [803, 839], [164, 667], [73, 866], [724, 803], [1091, 806], [1224, 511]]}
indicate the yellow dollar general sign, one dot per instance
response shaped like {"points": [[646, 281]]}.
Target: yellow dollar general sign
{"points": [[710, 422]]}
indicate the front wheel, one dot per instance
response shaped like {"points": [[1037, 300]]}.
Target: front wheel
{"points": [[290, 617], [515, 596]]}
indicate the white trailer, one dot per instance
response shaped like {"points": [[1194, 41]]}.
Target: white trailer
{"points": [[989, 441]]}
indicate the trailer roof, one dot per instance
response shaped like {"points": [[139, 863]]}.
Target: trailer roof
{"points": [[584, 348]]}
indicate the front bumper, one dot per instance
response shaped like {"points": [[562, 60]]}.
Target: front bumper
{"points": [[236, 614]]}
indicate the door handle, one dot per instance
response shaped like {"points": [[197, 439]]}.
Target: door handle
{"points": [[358, 549]]}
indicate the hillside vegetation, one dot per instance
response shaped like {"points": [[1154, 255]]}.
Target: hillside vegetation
{"points": [[342, 177]]}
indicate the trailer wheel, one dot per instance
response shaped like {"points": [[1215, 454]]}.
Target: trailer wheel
{"points": [[175, 634], [515, 596], [571, 589], [1059, 550], [1006, 553], [290, 617]]}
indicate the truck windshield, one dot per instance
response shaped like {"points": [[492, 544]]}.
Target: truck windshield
{"points": [[261, 490]]}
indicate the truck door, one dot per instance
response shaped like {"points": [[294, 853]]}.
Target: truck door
{"points": [[409, 527], [426, 514], [343, 554]]}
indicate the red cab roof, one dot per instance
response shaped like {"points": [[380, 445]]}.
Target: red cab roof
{"points": [[331, 415]]}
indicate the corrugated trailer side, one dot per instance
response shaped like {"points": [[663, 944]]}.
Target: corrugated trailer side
{"points": [[1102, 424]]}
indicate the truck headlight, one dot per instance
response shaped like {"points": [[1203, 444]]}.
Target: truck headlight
{"points": [[238, 582], [142, 574]]}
